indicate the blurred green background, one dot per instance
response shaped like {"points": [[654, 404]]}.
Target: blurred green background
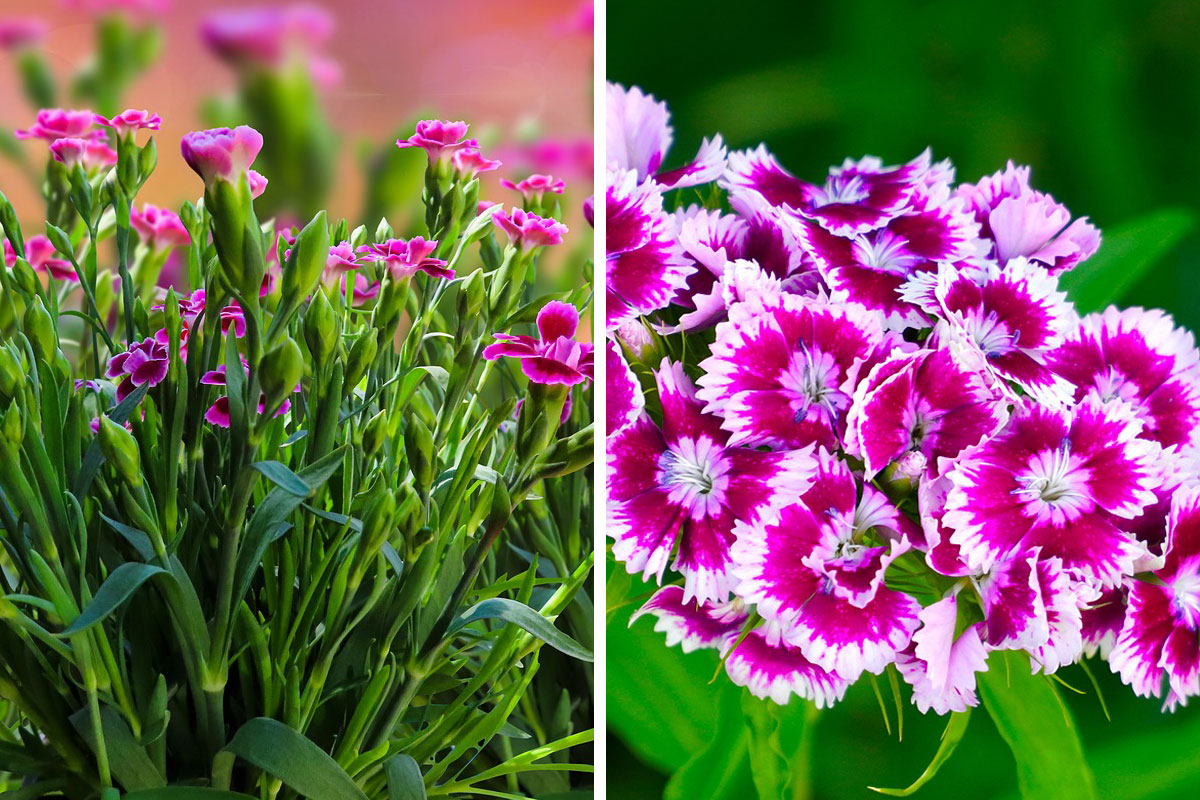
{"points": [[1102, 99]]}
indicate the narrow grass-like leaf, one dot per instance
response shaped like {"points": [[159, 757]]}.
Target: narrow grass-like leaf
{"points": [[121, 583], [126, 757], [951, 736], [280, 475], [1037, 727], [294, 759], [185, 793], [522, 615]]}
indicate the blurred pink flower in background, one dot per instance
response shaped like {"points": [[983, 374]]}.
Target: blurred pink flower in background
{"points": [[17, 32]]}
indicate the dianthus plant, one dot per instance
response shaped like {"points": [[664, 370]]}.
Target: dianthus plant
{"points": [[300, 523], [855, 427]]}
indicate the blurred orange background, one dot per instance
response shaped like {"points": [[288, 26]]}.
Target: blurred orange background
{"points": [[507, 68]]}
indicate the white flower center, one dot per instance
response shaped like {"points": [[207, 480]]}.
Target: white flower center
{"points": [[841, 189], [1185, 588], [696, 473], [991, 334], [1055, 485], [811, 379], [885, 251]]}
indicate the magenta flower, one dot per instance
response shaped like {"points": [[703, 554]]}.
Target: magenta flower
{"points": [[940, 666], [553, 358], [625, 401], [18, 32], [469, 162], [58, 123], [41, 255], [221, 153], [857, 197], [218, 413], [681, 489], [233, 319], [89, 153], [439, 139], [130, 121], [267, 36], [535, 186], [782, 374], [1140, 359], [1160, 634], [1020, 221], [257, 181], [159, 228], [144, 363], [644, 264], [639, 134], [1064, 480], [527, 230], [921, 409], [341, 259], [405, 257], [814, 568]]}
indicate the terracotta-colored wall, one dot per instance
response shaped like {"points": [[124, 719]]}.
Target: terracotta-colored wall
{"points": [[496, 64]]}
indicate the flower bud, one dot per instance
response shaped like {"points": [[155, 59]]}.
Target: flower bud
{"points": [[361, 357], [39, 327], [221, 153], [280, 372], [26, 278], [375, 433], [570, 454], [121, 450], [378, 518], [320, 327], [471, 296], [12, 374], [306, 261], [12, 431], [418, 447]]}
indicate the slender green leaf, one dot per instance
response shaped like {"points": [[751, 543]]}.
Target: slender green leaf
{"points": [[1125, 254], [126, 757], [955, 728], [1037, 727], [403, 778], [721, 770], [120, 584], [185, 793], [280, 751], [280, 475], [522, 615]]}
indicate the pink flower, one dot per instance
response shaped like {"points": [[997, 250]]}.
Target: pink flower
{"points": [[639, 134], [438, 138], [233, 318], [469, 162], [939, 666], [553, 358], [267, 36], [341, 259], [218, 413], [404, 258], [40, 254], [140, 8], [58, 123], [17, 32], [535, 185], [158, 227], [527, 230], [624, 394], [130, 121], [144, 363], [258, 183], [221, 153]]}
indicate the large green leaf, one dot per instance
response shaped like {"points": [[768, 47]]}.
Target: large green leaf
{"points": [[722, 769], [127, 759], [403, 778], [1126, 253], [280, 751], [283, 477], [1037, 727], [186, 793], [120, 584], [511, 611]]}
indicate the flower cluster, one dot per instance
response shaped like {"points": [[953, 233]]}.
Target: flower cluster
{"points": [[891, 439]]}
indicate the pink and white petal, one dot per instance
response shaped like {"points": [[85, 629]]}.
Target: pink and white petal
{"points": [[1091, 547], [842, 638], [1137, 655], [1102, 619], [968, 657], [691, 625], [1014, 611], [706, 167], [756, 180], [775, 669], [703, 557], [624, 401], [683, 412], [637, 130], [1181, 662], [1064, 642], [942, 555], [644, 529], [557, 319]]}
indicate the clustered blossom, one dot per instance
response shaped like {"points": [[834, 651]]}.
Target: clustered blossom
{"points": [[892, 440], [554, 357]]}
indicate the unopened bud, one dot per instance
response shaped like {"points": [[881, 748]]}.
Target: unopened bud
{"points": [[39, 327], [12, 375], [375, 433], [377, 519], [13, 430], [304, 265], [26, 278], [320, 327], [280, 372], [471, 295], [570, 454], [121, 450], [418, 447], [361, 357]]}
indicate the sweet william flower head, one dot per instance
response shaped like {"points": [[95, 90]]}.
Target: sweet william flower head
{"points": [[527, 230], [58, 123], [159, 228], [554, 357], [221, 153], [438, 138], [130, 121], [405, 257]]}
